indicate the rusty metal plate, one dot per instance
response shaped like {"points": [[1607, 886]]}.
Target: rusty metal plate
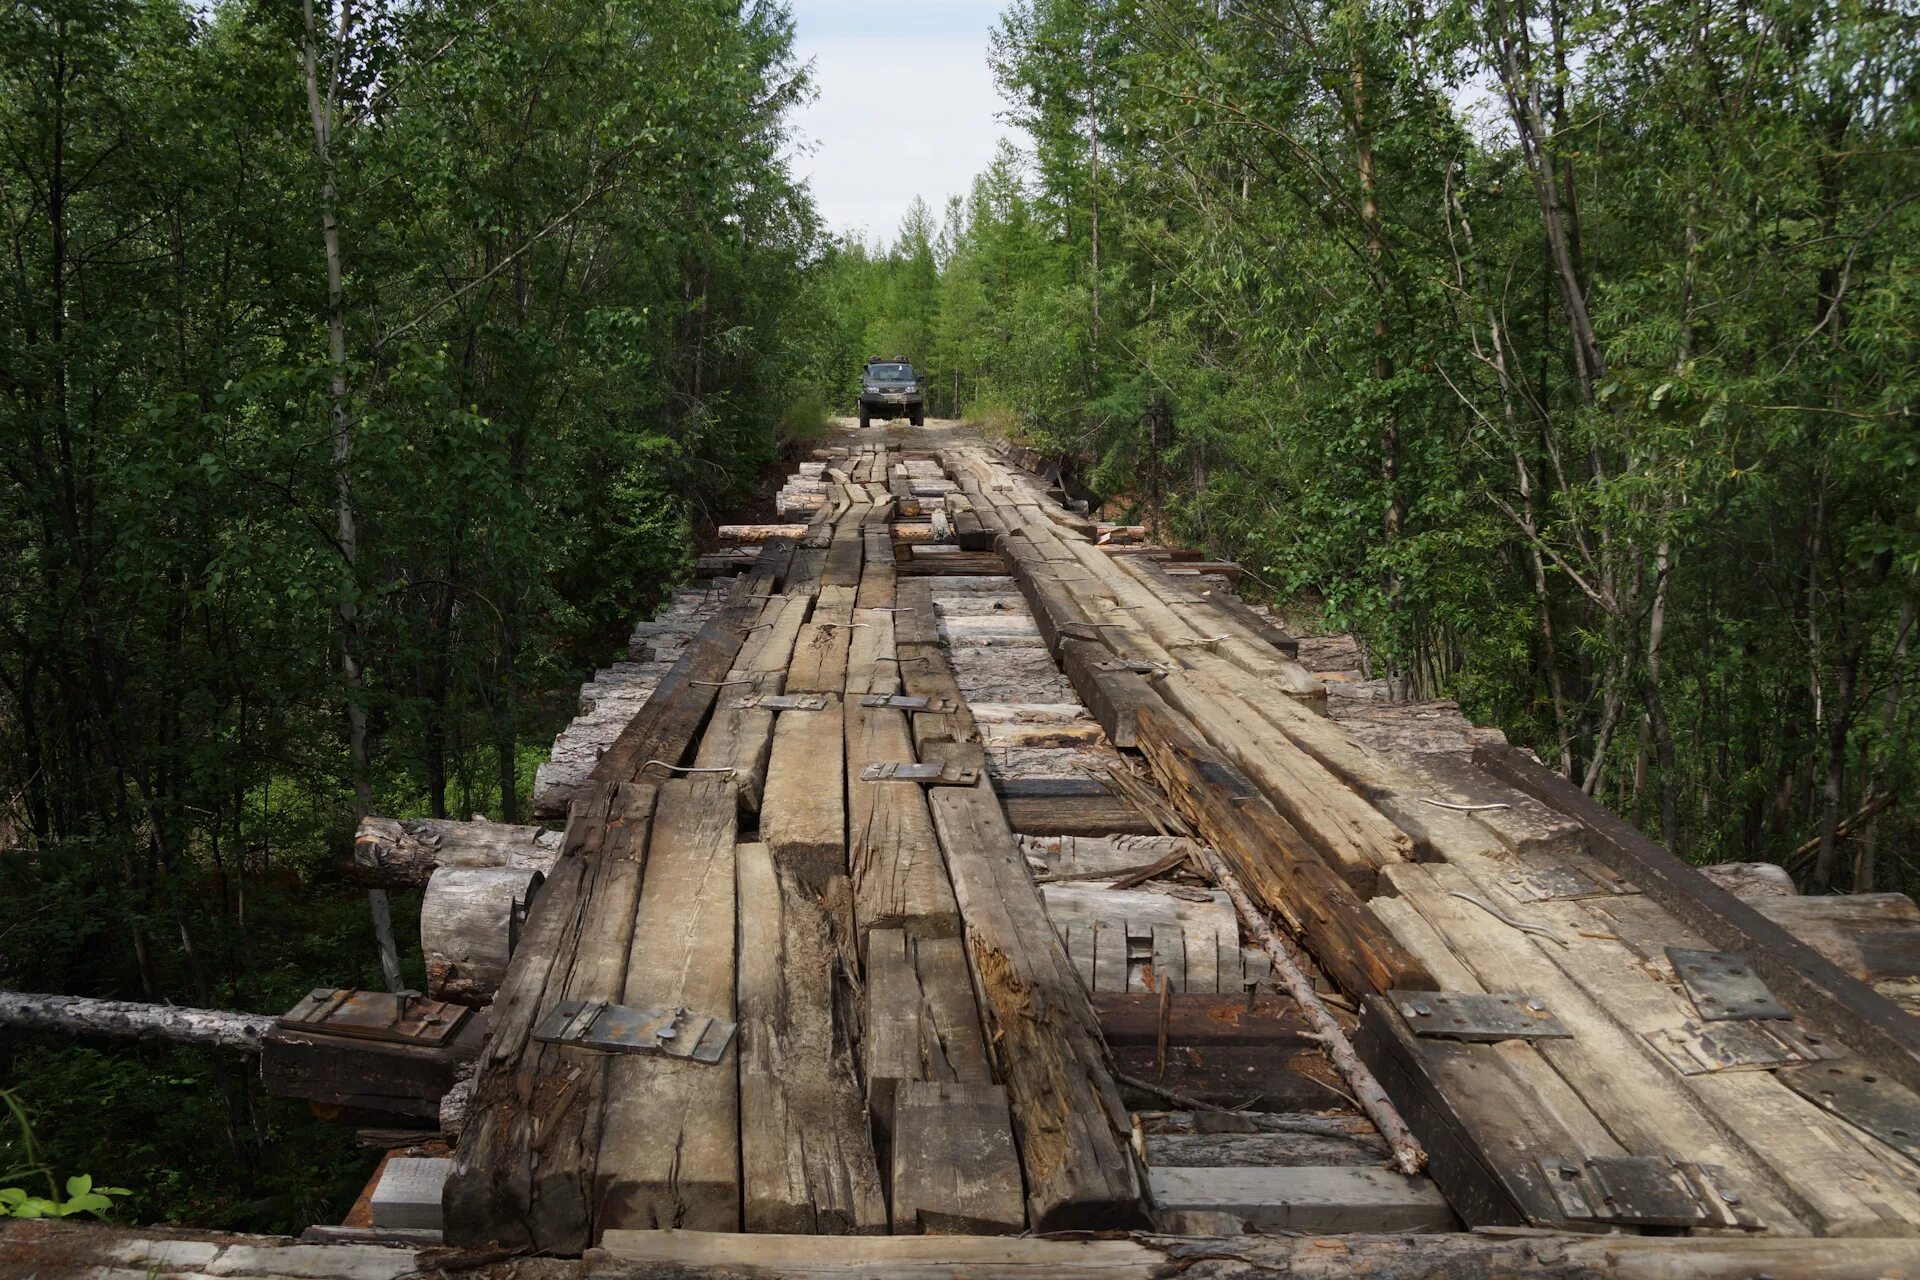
{"points": [[1456, 1015], [1863, 1097], [1555, 884], [1645, 1191], [404, 1018], [1723, 986], [1696, 1048], [619, 1028]]}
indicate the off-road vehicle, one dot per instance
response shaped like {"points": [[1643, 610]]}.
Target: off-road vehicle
{"points": [[889, 389]]}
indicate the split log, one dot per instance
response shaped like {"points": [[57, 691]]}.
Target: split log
{"points": [[806, 1154], [129, 1020], [669, 1148], [390, 853], [759, 532], [1072, 1126], [1280, 869], [470, 920], [803, 816]]}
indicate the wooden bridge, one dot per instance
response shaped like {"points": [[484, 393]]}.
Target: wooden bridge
{"points": [[951, 864]]}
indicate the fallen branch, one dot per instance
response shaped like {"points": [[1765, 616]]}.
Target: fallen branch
{"points": [[129, 1020], [1407, 1151]]}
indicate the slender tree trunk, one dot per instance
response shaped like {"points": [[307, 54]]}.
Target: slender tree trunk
{"points": [[1863, 862], [1661, 731], [322, 108], [1093, 188]]}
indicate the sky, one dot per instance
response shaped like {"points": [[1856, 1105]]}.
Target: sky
{"points": [[906, 106]]}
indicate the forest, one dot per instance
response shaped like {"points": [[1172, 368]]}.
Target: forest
{"points": [[1564, 352], [364, 369]]}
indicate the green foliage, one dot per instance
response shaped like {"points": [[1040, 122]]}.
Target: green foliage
{"points": [[1608, 434], [81, 1195], [570, 257]]}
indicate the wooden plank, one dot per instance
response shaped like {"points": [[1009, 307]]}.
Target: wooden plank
{"points": [[1310, 1201], [1873, 936], [670, 1144], [666, 725], [803, 816], [523, 1174], [1068, 1117], [1133, 1018], [921, 1019], [740, 737], [820, 658], [1113, 696], [1069, 807], [1281, 871], [1484, 1139], [1819, 991], [1623, 1096], [955, 1171], [899, 880], [958, 564], [806, 1154], [1263, 1150]]}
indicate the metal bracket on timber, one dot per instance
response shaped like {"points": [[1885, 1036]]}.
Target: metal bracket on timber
{"points": [[619, 1028], [1462, 1016], [370, 1053], [1646, 1191], [1824, 996], [934, 773]]}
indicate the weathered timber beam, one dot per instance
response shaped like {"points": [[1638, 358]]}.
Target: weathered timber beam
{"points": [[129, 1020], [1281, 871], [1819, 991], [103, 1251], [402, 853], [1043, 1034]]}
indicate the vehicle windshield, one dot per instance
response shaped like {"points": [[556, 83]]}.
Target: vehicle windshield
{"points": [[890, 373]]}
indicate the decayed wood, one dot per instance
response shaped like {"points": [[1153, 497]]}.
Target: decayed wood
{"points": [[803, 816], [391, 853], [342, 1076], [129, 1020], [668, 722], [468, 927], [1068, 1117], [1407, 1151], [669, 1151], [954, 1166], [921, 1019], [1277, 867], [1818, 990], [806, 1154], [523, 1174]]}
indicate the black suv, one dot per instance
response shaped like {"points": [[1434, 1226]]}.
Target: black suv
{"points": [[888, 389]]}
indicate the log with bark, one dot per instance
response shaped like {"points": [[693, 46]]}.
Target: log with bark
{"points": [[403, 853], [129, 1020]]}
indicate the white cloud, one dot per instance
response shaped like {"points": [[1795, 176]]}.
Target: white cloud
{"points": [[906, 106]]}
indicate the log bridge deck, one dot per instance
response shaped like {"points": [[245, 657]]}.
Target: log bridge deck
{"points": [[1037, 992]]}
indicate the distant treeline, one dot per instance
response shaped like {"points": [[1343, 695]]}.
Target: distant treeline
{"points": [[363, 367], [1566, 352]]}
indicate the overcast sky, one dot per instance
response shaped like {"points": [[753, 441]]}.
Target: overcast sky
{"points": [[906, 105]]}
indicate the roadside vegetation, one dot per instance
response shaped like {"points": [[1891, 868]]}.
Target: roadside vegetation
{"points": [[1564, 352], [362, 369]]}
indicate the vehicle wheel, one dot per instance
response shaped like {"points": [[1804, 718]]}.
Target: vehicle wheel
{"points": [[864, 420], [919, 419]]}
